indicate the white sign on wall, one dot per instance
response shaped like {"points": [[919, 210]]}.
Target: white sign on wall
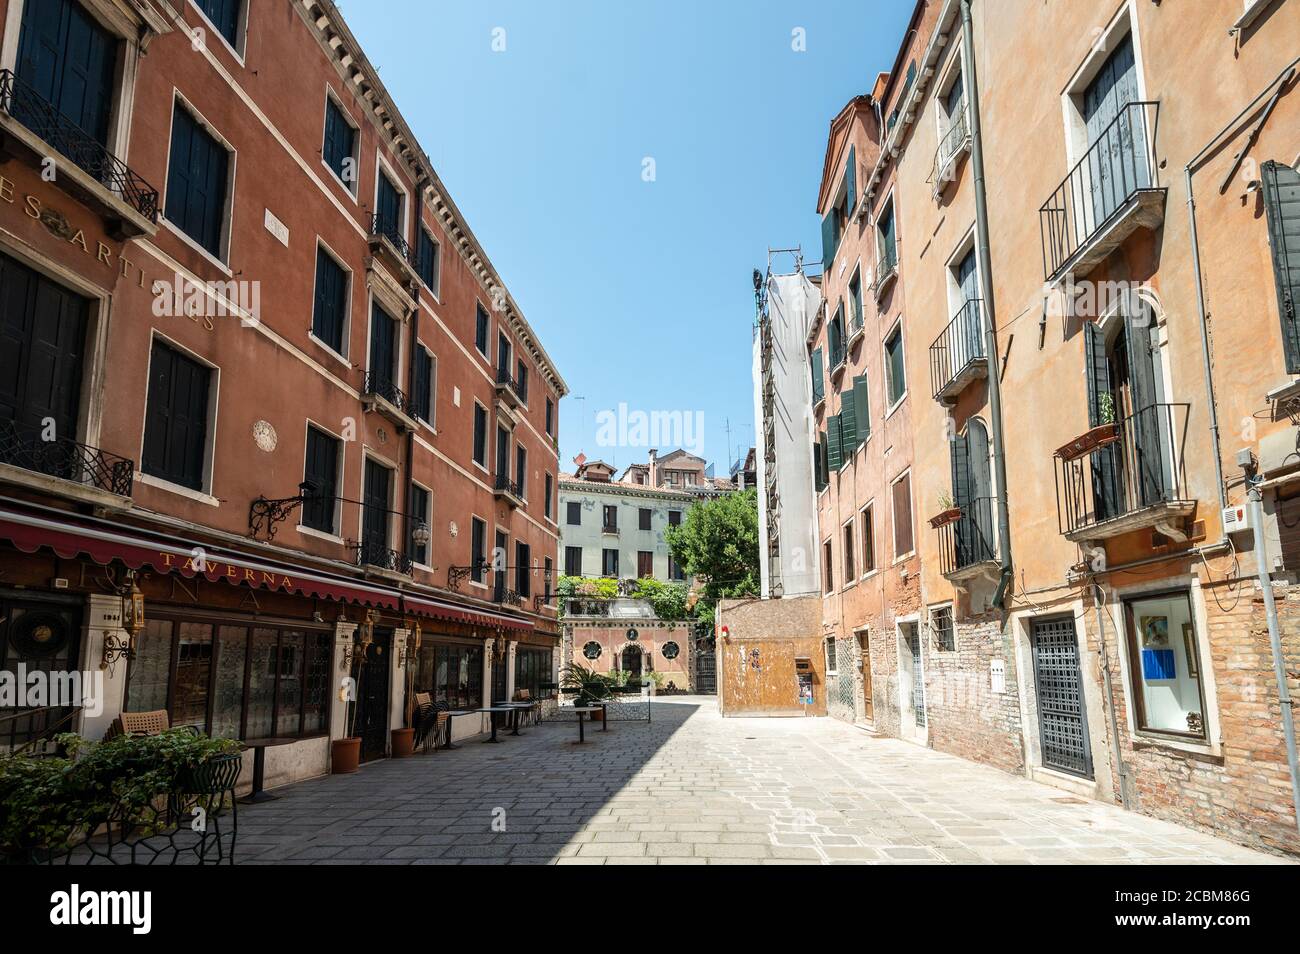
{"points": [[998, 675]]}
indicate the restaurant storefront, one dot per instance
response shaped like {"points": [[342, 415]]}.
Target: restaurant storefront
{"points": [[235, 644]]}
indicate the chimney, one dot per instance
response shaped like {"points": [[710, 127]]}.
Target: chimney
{"points": [[654, 467]]}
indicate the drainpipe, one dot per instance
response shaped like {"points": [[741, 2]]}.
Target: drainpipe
{"points": [[986, 289], [1247, 460]]}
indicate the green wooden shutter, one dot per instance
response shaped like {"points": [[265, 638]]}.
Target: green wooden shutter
{"points": [[835, 443], [851, 181], [819, 463], [862, 401], [829, 240], [818, 377], [1282, 209], [848, 422]]}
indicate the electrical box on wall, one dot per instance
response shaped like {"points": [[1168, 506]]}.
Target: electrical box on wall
{"points": [[1236, 519]]}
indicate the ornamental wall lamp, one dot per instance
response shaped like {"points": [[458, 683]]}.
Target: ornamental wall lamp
{"points": [[411, 645], [123, 646], [264, 514]]}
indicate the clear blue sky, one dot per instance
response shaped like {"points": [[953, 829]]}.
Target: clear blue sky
{"points": [[640, 291]]}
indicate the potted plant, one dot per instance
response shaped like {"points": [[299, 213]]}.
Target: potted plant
{"points": [[1105, 432], [949, 512], [590, 686]]}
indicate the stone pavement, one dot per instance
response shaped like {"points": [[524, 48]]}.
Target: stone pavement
{"points": [[694, 788]]}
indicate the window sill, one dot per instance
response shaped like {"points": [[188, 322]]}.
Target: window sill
{"points": [[869, 574], [320, 534], [181, 491], [1204, 750], [348, 190], [195, 246], [330, 350], [896, 405]]}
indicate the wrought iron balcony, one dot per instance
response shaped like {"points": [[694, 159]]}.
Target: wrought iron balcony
{"points": [[958, 356], [838, 348], [65, 459], [1110, 193], [371, 553], [887, 268], [27, 106], [378, 390], [514, 390], [386, 237], [966, 544], [501, 593], [1125, 476], [509, 490], [954, 142]]}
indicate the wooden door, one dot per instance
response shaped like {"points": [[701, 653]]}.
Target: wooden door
{"points": [[864, 662]]}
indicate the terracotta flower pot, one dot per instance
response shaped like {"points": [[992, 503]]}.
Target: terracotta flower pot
{"points": [[403, 743], [951, 515], [345, 755]]}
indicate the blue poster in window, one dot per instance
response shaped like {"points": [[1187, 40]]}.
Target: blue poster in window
{"points": [[1158, 664]]}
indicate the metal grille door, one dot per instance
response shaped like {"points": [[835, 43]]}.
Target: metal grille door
{"points": [[918, 678], [1062, 722]]}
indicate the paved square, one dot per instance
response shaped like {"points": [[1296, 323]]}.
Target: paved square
{"points": [[694, 788]]}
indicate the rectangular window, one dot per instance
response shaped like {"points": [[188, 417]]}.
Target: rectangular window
{"points": [[231, 683], [550, 417], [941, 629], [477, 549], [503, 453], [419, 516], [886, 240], [422, 391], [224, 15], [902, 493], [1164, 656], [828, 648], [849, 575], [609, 562], [674, 571], [828, 576], [548, 581], [895, 374], [523, 569], [66, 62], [643, 518], [550, 496], [176, 417], [674, 518], [610, 523], [855, 302], [330, 309], [481, 329], [480, 435], [573, 561], [521, 380], [388, 208], [521, 470], [451, 673], [533, 673], [321, 470], [868, 540], [645, 563], [573, 517], [426, 258], [340, 145], [196, 181]]}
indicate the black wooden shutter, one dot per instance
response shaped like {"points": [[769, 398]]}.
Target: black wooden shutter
{"points": [[176, 418], [1282, 209], [423, 374], [1146, 425], [331, 301], [196, 181], [321, 471], [419, 515], [381, 348], [1107, 488], [375, 496]]}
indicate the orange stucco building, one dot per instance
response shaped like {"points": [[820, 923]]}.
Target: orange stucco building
{"points": [[1086, 366], [257, 368]]}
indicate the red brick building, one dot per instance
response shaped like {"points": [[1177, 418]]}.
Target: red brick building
{"points": [[257, 367]]}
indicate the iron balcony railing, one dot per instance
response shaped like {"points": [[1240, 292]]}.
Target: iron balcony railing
{"points": [[1117, 166], [888, 264], [378, 554], [65, 459], [505, 485], [381, 385], [383, 227], [1138, 462], [837, 346], [501, 592], [949, 146], [968, 540], [518, 386], [30, 108], [959, 346]]}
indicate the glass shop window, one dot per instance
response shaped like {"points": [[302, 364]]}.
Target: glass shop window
{"points": [[1166, 665]]}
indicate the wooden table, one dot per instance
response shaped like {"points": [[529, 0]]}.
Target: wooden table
{"points": [[259, 747]]}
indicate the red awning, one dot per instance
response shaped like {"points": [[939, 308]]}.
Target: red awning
{"points": [[70, 536]]}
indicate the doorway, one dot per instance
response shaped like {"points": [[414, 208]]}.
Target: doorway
{"points": [[1062, 718], [631, 662], [911, 681], [864, 666], [372, 697]]}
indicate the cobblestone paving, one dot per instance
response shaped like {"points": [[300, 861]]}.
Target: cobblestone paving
{"points": [[693, 788]]}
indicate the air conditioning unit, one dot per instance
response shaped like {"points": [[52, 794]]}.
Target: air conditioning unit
{"points": [[1237, 519]]}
